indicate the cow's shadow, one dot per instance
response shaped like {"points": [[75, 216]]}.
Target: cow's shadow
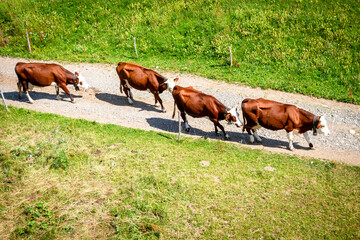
{"points": [[35, 95], [122, 101], [172, 126]]}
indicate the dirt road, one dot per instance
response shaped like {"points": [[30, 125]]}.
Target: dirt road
{"points": [[104, 103]]}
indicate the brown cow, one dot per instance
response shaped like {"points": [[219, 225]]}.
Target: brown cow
{"points": [[273, 115], [198, 104], [43, 74], [135, 76]]}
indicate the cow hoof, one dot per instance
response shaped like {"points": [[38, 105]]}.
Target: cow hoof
{"points": [[187, 129], [227, 138], [59, 98], [217, 133], [73, 101], [163, 110], [157, 104], [292, 149]]}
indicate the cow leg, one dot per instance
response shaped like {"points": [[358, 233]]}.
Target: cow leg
{"points": [[216, 130], [183, 116], [57, 93], [250, 132], [66, 90], [158, 99], [217, 124], [19, 88], [258, 139], [128, 95], [25, 87], [290, 136], [306, 135]]}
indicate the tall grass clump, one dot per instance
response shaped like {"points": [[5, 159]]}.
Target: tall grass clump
{"points": [[302, 46], [121, 183]]}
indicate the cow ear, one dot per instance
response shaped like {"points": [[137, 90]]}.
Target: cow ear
{"points": [[176, 79], [227, 117], [76, 73]]}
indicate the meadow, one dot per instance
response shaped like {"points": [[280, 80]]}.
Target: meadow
{"points": [[310, 47], [63, 178]]}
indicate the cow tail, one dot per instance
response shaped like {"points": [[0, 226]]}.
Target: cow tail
{"points": [[243, 113], [174, 109], [118, 72]]}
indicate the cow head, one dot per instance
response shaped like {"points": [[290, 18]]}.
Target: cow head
{"points": [[232, 116], [320, 125], [170, 84], [79, 81]]}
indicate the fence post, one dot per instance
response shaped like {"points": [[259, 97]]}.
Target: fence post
{"points": [[27, 39], [135, 47], [3, 98], [179, 126]]}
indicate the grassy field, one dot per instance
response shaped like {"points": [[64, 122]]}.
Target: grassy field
{"points": [[63, 178], [309, 47]]}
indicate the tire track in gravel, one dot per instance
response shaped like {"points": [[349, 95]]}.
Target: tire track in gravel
{"points": [[104, 103]]}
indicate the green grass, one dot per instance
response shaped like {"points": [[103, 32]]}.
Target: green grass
{"points": [[302, 46], [63, 178]]}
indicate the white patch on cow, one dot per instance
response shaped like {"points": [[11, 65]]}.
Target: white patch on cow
{"points": [[323, 126], [58, 97], [53, 84], [296, 132], [290, 136], [170, 84], [306, 135], [157, 104], [82, 82], [233, 112], [30, 99], [252, 140], [258, 139]]}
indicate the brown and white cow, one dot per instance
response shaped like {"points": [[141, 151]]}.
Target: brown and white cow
{"points": [[198, 104], [43, 74], [135, 76], [273, 115]]}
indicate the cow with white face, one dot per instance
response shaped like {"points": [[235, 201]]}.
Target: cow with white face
{"points": [[273, 115], [43, 74]]}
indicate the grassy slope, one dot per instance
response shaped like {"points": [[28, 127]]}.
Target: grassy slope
{"points": [[309, 47], [76, 179]]}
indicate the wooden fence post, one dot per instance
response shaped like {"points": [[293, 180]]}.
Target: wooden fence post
{"points": [[231, 59], [179, 126], [3, 98], [28, 40], [135, 47]]}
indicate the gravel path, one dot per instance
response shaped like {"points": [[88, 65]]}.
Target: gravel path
{"points": [[104, 103]]}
